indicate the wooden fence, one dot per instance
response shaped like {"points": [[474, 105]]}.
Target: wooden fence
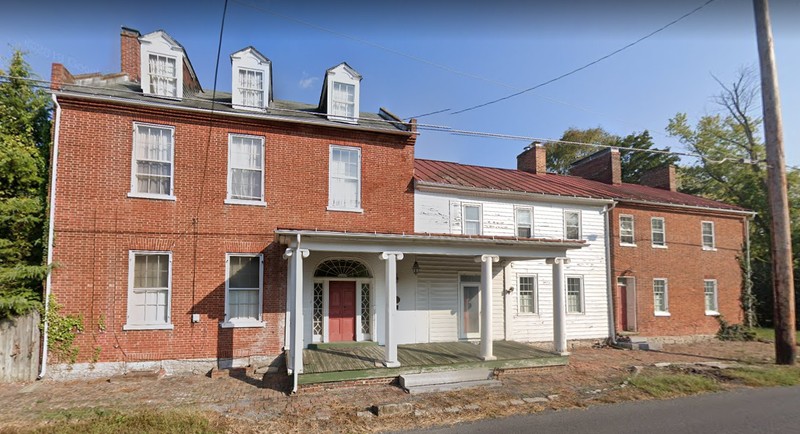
{"points": [[19, 348]]}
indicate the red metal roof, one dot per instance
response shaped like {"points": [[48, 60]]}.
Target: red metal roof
{"points": [[491, 178]]}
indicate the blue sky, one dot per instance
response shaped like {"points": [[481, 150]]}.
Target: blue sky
{"points": [[509, 45]]}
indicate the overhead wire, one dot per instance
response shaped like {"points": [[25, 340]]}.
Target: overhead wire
{"points": [[438, 128], [581, 68]]}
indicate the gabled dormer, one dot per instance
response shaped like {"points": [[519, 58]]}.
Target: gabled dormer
{"points": [[252, 80], [164, 66], [340, 93]]}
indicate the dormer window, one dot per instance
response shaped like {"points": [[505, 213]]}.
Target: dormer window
{"points": [[163, 75], [252, 73], [163, 66], [343, 100], [340, 94]]}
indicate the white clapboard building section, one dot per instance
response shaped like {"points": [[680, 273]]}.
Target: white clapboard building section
{"points": [[457, 199]]}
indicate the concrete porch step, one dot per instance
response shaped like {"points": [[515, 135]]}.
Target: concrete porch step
{"points": [[447, 380], [640, 343]]}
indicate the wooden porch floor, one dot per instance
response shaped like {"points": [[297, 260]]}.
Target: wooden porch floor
{"points": [[353, 361]]}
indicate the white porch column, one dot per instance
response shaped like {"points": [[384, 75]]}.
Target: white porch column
{"points": [[486, 305], [391, 258], [295, 257], [287, 324], [559, 306]]}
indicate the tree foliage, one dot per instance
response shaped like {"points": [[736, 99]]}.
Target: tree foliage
{"points": [[24, 149], [561, 155], [732, 170]]}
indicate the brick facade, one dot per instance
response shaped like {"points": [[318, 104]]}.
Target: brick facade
{"points": [[97, 224], [685, 265]]}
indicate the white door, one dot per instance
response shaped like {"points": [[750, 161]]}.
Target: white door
{"points": [[470, 310]]}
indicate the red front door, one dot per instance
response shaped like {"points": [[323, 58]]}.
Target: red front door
{"points": [[341, 311]]}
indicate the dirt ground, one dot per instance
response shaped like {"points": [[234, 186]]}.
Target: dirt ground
{"points": [[249, 404]]}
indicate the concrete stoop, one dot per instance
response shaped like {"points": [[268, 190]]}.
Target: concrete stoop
{"points": [[447, 381], [640, 343]]}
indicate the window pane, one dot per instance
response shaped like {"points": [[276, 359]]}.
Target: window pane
{"points": [[243, 304], [345, 178], [626, 229], [572, 225], [660, 295], [574, 299], [244, 272], [343, 99], [526, 294], [711, 295], [153, 153], [472, 213]]}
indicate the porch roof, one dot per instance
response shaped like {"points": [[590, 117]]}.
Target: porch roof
{"points": [[512, 248]]}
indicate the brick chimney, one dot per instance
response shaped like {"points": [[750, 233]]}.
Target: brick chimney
{"points": [[59, 76], [603, 166], [664, 177], [130, 54], [533, 159]]}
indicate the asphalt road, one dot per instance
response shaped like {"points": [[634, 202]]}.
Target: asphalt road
{"points": [[770, 410]]}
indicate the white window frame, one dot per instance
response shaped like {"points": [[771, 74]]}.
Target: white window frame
{"points": [[664, 312], [344, 116], [237, 201], [133, 190], [713, 245], [517, 221], [632, 243], [131, 264], [150, 75], [534, 294], [582, 295], [343, 74], [159, 44], [464, 207], [244, 322], [663, 232], [240, 94], [359, 208], [715, 311], [580, 224]]}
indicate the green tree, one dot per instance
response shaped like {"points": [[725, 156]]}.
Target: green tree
{"points": [[732, 170], [24, 149], [634, 163]]}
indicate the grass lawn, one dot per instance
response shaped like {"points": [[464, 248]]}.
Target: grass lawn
{"points": [[768, 334]]}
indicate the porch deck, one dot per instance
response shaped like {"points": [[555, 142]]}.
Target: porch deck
{"points": [[356, 361]]}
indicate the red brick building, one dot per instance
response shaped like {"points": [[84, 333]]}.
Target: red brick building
{"points": [[675, 258], [167, 198]]}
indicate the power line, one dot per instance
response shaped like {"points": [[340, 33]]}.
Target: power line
{"points": [[567, 74], [439, 128]]}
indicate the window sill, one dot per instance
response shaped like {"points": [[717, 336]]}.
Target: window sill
{"points": [[152, 196], [712, 313], [245, 202], [249, 108], [148, 327], [528, 314], [339, 118], [242, 324], [655, 246], [627, 245], [167, 97], [710, 249], [356, 210], [575, 313], [662, 314]]}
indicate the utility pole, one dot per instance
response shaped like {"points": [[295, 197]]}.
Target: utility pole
{"points": [[782, 279]]}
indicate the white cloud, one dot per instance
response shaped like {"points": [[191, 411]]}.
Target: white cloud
{"points": [[307, 82]]}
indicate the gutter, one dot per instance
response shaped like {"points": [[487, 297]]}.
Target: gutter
{"points": [[692, 207], [435, 187], [612, 328], [152, 104], [50, 236]]}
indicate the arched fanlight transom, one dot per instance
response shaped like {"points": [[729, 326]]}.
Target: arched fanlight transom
{"points": [[342, 268]]}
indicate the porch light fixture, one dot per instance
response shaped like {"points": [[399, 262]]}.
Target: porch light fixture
{"points": [[415, 268]]}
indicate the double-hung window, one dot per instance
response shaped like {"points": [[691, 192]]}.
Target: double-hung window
{"points": [[149, 290], [709, 243], [660, 297], [344, 184], [658, 232], [251, 88], [710, 293], [245, 169], [527, 294], [572, 225], [243, 290], [626, 230], [574, 294], [163, 74], [472, 220], [343, 100], [152, 167], [524, 218]]}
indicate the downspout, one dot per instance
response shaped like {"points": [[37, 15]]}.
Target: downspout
{"points": [[50, 235], [294, 347], [612, 339]]}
